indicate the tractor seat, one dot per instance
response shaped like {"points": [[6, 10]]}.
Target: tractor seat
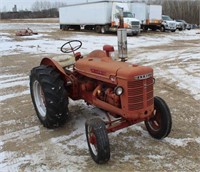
{"points": [[64, 61]]}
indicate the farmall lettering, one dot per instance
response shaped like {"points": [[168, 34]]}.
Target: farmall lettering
{"points": [[145, 76], [96, 71]]}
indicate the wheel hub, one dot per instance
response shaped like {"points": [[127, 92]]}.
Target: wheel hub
{"points": [[39, 98], [93, 140]]}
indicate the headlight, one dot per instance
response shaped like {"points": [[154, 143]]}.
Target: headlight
{"points": [[118, 90]]}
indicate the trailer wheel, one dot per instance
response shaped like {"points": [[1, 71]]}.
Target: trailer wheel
{"points": [[154, 28], [64, 27], [97, 139], [49, 96], [145, 28], [98, 29], [104, 29], [159, 126]]}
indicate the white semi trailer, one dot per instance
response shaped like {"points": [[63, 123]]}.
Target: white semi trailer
{"points": [[150, 16], [101, 16]]}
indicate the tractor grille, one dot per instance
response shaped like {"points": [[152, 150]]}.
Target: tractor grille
{"points": [[140, 94]]}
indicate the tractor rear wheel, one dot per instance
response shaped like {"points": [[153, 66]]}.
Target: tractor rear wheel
{"points": [[49, 96], [97, 139], [159, 126]]}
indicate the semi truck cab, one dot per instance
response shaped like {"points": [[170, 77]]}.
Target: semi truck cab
{"points": [[131, 24]]}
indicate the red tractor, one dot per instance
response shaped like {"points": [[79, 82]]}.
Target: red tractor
{"points": [[123, 90]]}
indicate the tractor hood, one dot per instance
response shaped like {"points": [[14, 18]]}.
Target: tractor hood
{"points": [[108, 70]]}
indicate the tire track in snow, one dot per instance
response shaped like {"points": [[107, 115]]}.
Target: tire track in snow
{"points": [[8, 81], [21, 134]]}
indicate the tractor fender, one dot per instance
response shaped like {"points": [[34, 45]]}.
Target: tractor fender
{"points": [[66, 76], [50, 62]]}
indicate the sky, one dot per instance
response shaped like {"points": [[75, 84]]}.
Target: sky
{"points": [[7, 5]]}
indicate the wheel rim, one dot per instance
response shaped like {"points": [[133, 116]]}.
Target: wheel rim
{"points": [[92, 140], [102, 29], [39, 98], [155, 121]]}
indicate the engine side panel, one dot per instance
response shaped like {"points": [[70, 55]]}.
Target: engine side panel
{"points": [[137, 81], [97, 68]]}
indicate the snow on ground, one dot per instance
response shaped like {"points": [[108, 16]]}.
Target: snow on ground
{"points": [[40, 44], [8, 81], [36, 27]]}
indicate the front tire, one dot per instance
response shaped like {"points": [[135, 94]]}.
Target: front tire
{"points": [[145, 28], [49, 96], [97, 139], [162, 29], [159, 126], [98, 29]]}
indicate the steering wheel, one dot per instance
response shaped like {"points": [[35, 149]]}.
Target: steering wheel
{"points": [[71, 47]]}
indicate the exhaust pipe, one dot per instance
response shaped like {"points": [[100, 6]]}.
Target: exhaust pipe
{"points": [[122, 44]]}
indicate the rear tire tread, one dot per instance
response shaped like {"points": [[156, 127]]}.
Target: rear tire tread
{"points": [[54, 94]]}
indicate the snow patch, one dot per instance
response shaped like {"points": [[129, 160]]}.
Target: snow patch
{"points": [[21, 134], [13, 95], [156, 157], [181, 142]]}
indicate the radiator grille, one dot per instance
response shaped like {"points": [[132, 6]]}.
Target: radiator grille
{"points": [[135, 23], [140, 94]]}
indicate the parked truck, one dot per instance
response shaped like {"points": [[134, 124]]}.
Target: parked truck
{"points": [[150, 16], [168, 24], [101, 16]]}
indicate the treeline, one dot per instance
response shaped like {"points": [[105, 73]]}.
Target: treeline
{"points": [[180, 9], [50, 13], [39, 9], [45, 5], [176, 9], [187, 10]]}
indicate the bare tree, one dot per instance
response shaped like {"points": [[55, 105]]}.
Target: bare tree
{"points": [[44, 5], [36, 6], [182, 9]]}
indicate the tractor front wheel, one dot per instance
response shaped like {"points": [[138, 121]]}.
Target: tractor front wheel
{"points": [[159, 125], [49, 96], [97, 139]]}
